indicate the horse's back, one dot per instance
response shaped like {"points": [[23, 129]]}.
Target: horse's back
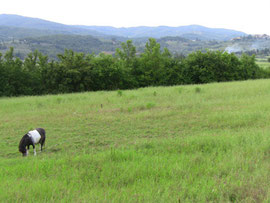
{"points": [[35, 136], [41, 131]]}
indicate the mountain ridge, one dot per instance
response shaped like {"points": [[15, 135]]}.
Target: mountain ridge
{"points": [[17, 21], [193, 32], [199, 31]]}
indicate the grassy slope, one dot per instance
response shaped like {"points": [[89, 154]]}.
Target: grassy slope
{"points": [[263, 63], [165, 144]]}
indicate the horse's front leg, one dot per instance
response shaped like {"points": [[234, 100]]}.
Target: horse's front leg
{"points": [[27, 150], [35, 153]]}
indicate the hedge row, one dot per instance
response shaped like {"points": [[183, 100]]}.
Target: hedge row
{"points": [[77, 72]]}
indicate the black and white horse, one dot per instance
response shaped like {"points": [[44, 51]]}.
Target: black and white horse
{"points": [[33, 137]]}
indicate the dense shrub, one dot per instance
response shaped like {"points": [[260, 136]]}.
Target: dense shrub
{"points": [[217, 66], [76, 72]]}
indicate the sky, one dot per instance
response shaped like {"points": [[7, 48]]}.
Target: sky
{"points": [[247, 16]]}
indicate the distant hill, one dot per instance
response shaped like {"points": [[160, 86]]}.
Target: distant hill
{"points": [[193, 32], [10, 33], [52, 45], [28, 34], [249, 43], [55, 44], [16, 21]]}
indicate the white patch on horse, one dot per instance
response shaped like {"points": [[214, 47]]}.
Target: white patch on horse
{"points": [[34, 135]]}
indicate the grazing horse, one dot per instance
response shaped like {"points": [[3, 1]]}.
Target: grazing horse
{"points": [[33, 137]]}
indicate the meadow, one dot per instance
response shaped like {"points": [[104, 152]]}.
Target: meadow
{"points": [[193, 143], [263, 62]]}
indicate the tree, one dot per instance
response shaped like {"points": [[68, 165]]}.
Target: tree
{"points": [[69, 68], [249, 69], [128, 62], [16, 80], [212, 66], [152, 64], [128, 52]]}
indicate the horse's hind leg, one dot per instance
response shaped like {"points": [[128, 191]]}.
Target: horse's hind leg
{"points": [[42, 142]]}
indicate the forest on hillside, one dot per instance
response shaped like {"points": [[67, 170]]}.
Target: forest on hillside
{"points": [[52, 45]]}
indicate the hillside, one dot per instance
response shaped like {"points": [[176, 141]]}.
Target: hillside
{"points": [[55, 44], [11, 33], [191, 32], [42, 25], [203, 143], [248, 43], [52, 45], [28, 34]]}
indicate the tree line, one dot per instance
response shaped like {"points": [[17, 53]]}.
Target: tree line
{"points": [[78, 72]]}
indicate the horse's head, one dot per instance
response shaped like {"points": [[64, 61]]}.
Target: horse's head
{"points": [[23, 144], [23, 151]]}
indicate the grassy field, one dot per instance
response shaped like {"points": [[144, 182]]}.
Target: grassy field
{"points": [[263, 62], [197, 143]]}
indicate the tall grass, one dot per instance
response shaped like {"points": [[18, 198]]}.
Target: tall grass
{"points": [[165, 144]]}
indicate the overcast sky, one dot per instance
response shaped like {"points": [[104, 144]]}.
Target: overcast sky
{"points": [[250, 16]]}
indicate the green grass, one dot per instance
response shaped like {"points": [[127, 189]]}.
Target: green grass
{"points": [[263, 62], [198, 143]]}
